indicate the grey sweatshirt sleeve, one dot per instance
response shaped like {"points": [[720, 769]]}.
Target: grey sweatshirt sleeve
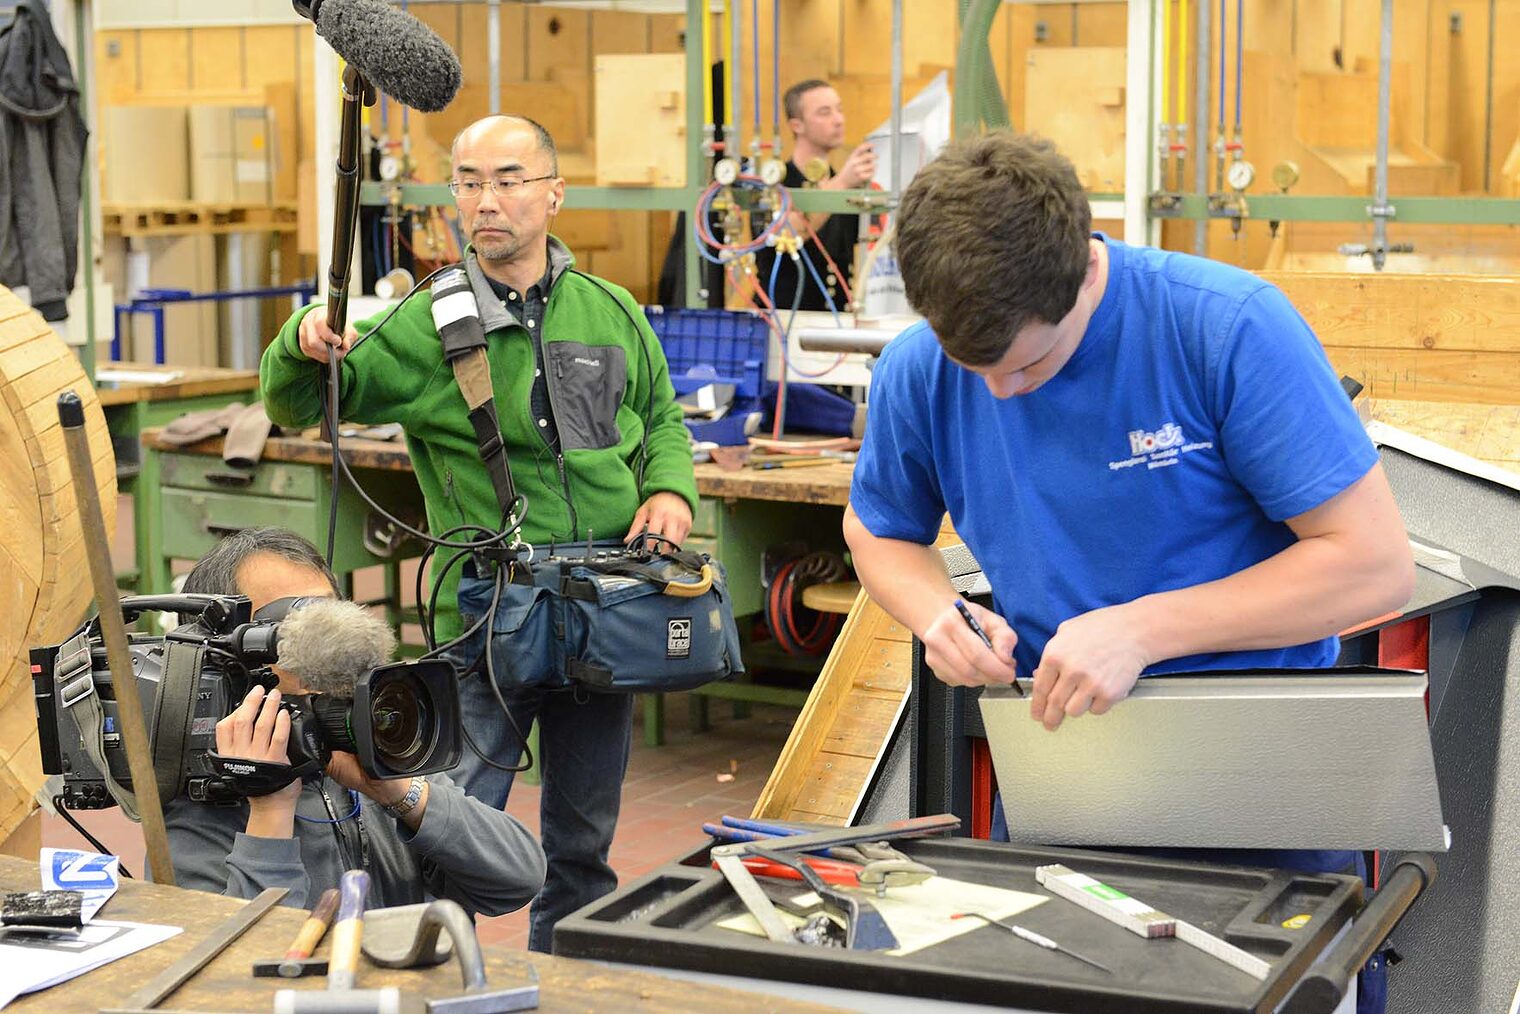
{"points": [[482, 858], [210, 852]]}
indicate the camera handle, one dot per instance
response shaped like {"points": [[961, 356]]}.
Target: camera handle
{"points": [[258, 778]]}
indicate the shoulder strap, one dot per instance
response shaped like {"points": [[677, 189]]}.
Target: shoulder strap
{"points": [[456, 314]]}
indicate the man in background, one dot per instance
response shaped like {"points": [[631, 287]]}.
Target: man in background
{"points": [[815, 116]]}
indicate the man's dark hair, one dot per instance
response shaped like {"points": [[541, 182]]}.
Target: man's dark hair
{"points": [[991, 236], [216, 572], [540, 134], [792, 100]]}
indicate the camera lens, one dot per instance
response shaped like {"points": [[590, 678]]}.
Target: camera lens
{"points": [[401, 715]]}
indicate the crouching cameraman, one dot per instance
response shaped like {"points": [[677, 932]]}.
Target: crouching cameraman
{"points": [[418, 838]]}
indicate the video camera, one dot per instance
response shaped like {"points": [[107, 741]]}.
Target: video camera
{"points": [[400, 718]]}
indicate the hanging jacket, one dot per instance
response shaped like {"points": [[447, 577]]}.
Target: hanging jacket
{"points": [[42, 143]]}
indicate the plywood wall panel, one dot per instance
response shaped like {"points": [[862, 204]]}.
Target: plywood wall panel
{"points": [[216, 60], [163, 61]]}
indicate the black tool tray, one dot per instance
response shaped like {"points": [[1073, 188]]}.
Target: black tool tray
{"points": [[665, 919]]}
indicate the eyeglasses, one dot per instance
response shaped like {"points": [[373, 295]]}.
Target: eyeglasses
{"points": [[506, 186]]}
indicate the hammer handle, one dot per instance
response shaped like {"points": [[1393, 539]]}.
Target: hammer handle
{"points": [[348, 931], [315, 926]]}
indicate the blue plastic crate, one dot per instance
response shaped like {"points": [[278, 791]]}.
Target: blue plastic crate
{"points": [[713, 347]]}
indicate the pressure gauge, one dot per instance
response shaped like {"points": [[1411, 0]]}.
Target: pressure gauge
{"points": [[1285, 175], [772, 172], [390, 168], [815, 170], [1241, 174], [726, 172]]}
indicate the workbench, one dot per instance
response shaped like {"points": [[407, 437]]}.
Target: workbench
{"points": [[197, 499], [133, 406], [227, 985]]}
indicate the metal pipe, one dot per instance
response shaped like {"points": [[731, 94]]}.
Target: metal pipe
{"points": [[1380, 207], [493, 56], [775, 78], [735, 147], [1488, 105], [699, 81], [1142, 163], [895, 179], [84, 44], [1201, 126]]}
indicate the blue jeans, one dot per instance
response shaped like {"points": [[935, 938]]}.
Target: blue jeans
{"points": [[1371, 983], [583, 742]]}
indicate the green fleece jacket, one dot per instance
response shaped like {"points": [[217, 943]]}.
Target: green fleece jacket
{"points": [[607, 375]]}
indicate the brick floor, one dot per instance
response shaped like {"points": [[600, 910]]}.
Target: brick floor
{"points": [[669, 792]]}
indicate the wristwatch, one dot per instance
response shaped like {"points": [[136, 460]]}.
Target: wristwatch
{"points": [[407, 803]]}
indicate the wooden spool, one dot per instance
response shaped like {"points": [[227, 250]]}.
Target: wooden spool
{"points": [[44, 577]]}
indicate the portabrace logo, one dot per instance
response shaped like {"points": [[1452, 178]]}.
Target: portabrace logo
{"points": [[1143, 442]]}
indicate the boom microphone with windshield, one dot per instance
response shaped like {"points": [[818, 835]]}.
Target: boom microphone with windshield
{"points": [[398, 54]]}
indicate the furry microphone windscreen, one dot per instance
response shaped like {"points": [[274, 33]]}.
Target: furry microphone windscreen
{"points": [[398, 54], [328, 643]]}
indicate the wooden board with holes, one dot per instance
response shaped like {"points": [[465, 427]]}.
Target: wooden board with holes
{"points": [[842, 734]]}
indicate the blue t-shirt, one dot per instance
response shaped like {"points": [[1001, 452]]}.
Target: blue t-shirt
{"points": [[1197, 413]]}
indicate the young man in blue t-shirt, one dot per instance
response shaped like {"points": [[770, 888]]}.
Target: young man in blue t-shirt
{"points": [[1147, 452]]}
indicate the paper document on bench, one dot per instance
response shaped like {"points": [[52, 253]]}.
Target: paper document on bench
{"points": [[31, 962]]}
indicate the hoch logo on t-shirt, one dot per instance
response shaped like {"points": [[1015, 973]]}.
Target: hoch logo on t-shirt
{"points": [[1145, 442], [1158, 448]]}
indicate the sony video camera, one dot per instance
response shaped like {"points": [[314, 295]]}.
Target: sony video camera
{"points": [[400, 718]]}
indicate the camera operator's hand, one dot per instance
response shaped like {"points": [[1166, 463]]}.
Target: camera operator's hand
{"points": [[258, 730], [344, 769]]}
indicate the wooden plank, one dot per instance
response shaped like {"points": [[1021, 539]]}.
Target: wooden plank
{"points": [[1433, 375], [830, 691], [164, 61], [216, 60], [1317, 37], [627, 263], [666, 32], [833, 782], [856, 730], [1075, 97], [115, 66], [640, 123], [1103, 24], [823, 484], [930, 33], [1417, 312]]}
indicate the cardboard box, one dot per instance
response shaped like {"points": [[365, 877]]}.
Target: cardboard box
{"points": [[231, 155], [144, 155]]}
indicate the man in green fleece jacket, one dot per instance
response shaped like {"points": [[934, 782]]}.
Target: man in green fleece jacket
{"points": [[578, 376]]}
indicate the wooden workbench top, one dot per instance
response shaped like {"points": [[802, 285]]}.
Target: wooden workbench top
{"points": [[821, 484], [191, 382], [226, 984]]}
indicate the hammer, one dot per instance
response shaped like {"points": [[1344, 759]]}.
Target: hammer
{"points": [[298, 961], [341, 997]]}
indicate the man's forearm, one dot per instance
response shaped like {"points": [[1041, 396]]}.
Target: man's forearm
{"points": [[906, 579], [1315, 588]]}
